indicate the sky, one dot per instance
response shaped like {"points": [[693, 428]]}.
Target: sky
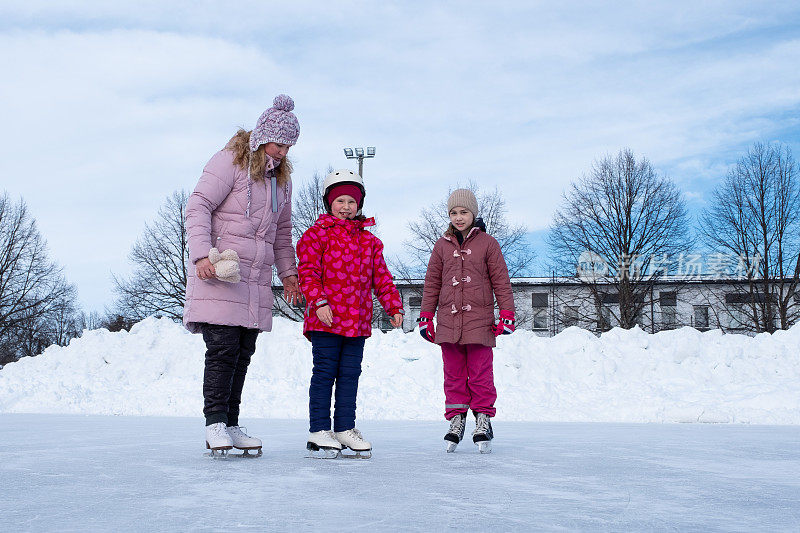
{"points": [[108, 107]]}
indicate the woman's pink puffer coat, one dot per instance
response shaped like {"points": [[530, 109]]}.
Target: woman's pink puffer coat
{"points": [[216, 216]]}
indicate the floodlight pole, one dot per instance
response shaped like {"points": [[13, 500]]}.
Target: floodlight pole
{"points": [[360, 155]]}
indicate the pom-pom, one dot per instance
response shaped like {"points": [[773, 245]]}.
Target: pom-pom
{"points": [[283, 102]]}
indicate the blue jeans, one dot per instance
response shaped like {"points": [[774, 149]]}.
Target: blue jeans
{"points": [[337, 359]]}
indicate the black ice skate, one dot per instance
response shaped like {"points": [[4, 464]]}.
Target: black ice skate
{"points": [[456, 431], [483, 434]]}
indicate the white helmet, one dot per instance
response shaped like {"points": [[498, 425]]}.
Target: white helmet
{"points": [[338, 177]]}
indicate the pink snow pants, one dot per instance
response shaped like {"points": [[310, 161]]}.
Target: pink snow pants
{"points": [[468, 379]]}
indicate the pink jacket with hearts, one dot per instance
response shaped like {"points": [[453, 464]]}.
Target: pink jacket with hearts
{"points": [[341, 262]]}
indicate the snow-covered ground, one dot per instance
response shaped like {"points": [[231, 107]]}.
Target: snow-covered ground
{"points": [[623, 376], [102, 473], [563, 458]]}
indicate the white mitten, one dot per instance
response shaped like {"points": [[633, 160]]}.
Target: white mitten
{"points": [[226, 265]]}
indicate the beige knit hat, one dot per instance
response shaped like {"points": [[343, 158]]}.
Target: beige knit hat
{"points": [[226, 265], [463, 198]]}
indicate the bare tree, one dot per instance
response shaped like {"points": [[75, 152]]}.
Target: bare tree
{"points": [[90, 321], [755, 217], [116, 322], [56, 326], [160, 256], [307, 204], [617, 233], [433, 221], [64, 321], [33, 290]]}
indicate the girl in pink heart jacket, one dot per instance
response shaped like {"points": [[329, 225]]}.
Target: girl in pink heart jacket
{"points": [[466, 272], [340, 264]]}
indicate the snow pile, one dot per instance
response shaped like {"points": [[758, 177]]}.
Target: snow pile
{"points": [[624, 376]]}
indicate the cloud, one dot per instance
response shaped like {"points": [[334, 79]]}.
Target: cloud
{"points": [[100, 127], [110, 106]]}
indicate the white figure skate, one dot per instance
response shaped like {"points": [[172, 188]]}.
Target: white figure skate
{"points": [[218, 440], [323, 445], [353, 440], [243, 441]]}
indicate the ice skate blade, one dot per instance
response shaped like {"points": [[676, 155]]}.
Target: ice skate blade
{"points": [[323, 453], [246, 453], [484, 446], [356, 454], [218, 454], [451, 446], [316, 452]]}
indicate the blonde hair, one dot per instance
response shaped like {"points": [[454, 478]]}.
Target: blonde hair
{"points": [[240, 146]]}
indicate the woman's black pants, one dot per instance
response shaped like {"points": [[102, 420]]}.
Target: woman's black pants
{"points": [[228, 352]]}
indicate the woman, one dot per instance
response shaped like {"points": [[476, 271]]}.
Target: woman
{"points": [[238, 221]]}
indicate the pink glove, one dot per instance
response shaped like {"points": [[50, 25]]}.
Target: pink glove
{"points": [[425, 321], [506, 324]]}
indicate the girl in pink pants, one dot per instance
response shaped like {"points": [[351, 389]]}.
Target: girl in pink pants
{"points": [[466, 272]]}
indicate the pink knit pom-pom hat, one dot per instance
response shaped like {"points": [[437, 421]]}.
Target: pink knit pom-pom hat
{"points": [[277, 124]]}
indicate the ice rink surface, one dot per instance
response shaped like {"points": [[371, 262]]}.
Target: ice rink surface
{"points": [[105, 473]]}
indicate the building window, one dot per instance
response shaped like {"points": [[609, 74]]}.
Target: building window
{"points": [[668, 298], [540, 318], [701, 316], [604, 322], [539, 299], [668, 301], [539, 303], [570, 315], [609, 298], [748, 298], [669, 317], [737, 316], [415, 301]]}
